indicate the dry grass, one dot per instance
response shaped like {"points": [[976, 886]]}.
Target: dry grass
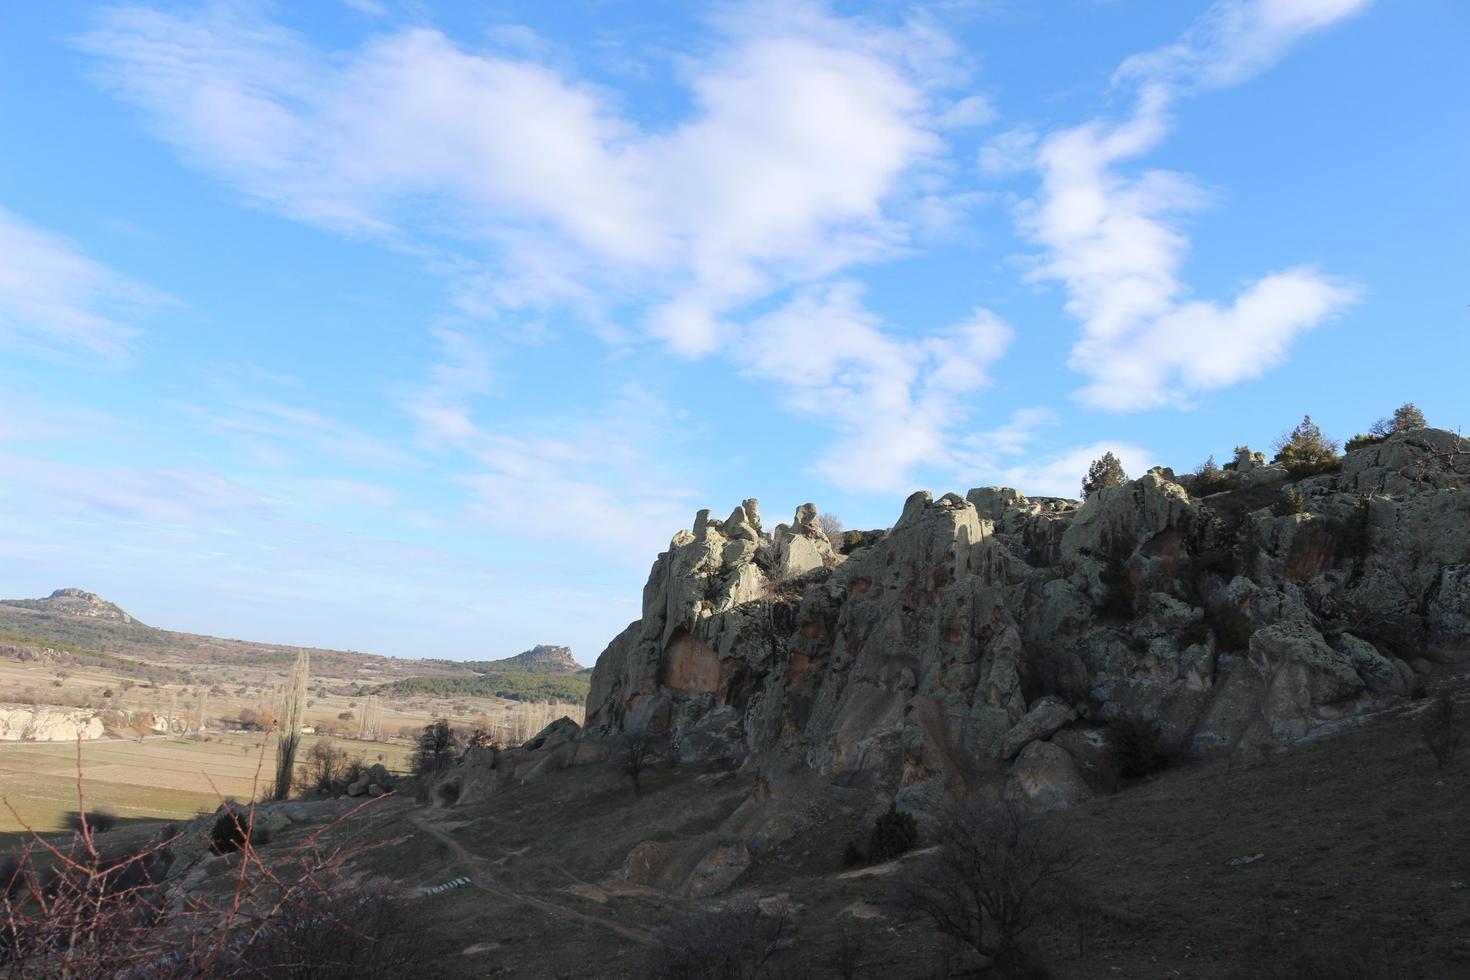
{"points": [[160, 778]]}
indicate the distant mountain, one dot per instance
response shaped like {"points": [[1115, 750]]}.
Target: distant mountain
{"points": [[83, 623], [541, 659], [75, 602]]}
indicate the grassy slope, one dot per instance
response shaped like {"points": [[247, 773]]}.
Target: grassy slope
{"points": [[1361, 836]]}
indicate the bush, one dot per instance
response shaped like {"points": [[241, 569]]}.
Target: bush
{"points": [[228, 833], [1361, 441], [100, 821], [1404, 419], [1208, 479], [1192, 634], [438, 744], [1441, 730], [1105, 471], [1135, 742], [1306, 450], [1291, 502], [739, 941], [852, 854], [1233, 629], [325, 763], [894, 833], [995, 875]]}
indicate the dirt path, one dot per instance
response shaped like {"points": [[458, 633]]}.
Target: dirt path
{"points": [[478, 870]]}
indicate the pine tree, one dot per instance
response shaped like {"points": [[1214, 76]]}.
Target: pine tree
{"points": [[1306, 449], [1104, 472]]}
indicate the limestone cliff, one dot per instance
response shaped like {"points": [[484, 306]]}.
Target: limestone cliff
{"points": [[980, 641]]}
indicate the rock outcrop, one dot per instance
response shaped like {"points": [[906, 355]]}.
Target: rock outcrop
{"points": [[45, 724], [75, 602], [980, 643]]}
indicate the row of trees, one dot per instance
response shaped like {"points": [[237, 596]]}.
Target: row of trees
{"points": [[1304, 450]]}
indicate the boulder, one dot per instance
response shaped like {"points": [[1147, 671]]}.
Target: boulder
{"points": [[1045, 716], [559, 732], [1045, 777]]}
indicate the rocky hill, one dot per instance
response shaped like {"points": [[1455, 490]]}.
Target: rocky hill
{"points": [[542, 659], [983, 642], [74, 602]]}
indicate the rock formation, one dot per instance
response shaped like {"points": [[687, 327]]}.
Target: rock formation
{"points": [[980, 643], [75, 602], [44, 724]]}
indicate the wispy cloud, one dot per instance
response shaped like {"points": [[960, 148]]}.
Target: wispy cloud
{"points": [[802, 130], [799, 160], [1115, 242], [894, 401], [57, 302]]}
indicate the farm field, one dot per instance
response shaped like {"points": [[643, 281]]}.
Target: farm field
{"points": [[161, 778]]}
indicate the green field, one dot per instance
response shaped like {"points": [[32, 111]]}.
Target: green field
{"points": [[157, 779]]}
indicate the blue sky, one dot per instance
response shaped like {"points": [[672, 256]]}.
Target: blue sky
{"points": [[420, 328]]}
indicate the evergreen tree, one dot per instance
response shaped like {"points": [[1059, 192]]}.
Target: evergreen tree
{"points": [[1104, 472]]}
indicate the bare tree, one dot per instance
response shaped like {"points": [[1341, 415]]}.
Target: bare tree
{"points": [[739, 941], [830, 524], [293, 712], [438, 744], [633, 753], [997, 872]]}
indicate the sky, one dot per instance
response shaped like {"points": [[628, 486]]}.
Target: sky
{"points": [[420, 328]]}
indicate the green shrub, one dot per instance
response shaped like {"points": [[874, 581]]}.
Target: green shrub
{"points": [[895, 833], [1233, 629], [1306, 450], [1135, 743], [852, 854], [1361, 441], [1105, 471], [1192, 634], [1291, 502]]}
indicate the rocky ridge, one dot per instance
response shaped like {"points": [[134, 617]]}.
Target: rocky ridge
{"points": [[982, 642], [74, 602], [542, 658]]}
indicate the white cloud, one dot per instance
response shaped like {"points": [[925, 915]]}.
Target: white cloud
{"points": [[973, 110], [801, 157], [895, 402], [802, 129], [55, 301], [1115, 243], [1060, 474]]}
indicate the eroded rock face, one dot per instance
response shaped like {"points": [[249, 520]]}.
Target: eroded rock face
{"points": [[43, 724], [984, 631]]}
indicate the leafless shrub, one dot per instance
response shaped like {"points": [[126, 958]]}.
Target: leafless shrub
{"points": [[997, 873], [82, 912], [846, 959], [633, 753], [739, 941], [325, 763], [1441, 730], [830, 524]]}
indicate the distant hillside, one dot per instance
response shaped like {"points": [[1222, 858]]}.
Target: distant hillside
{"points": [[540, 659], [83, 623], [77, 603], [516, 685]]}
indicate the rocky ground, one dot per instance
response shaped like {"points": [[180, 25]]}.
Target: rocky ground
{"points": [[1203, 871]]}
